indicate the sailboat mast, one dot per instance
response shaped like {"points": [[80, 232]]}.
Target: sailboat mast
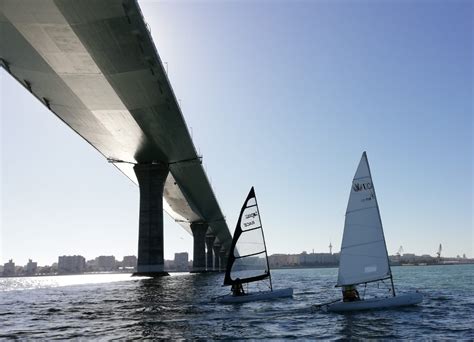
{"points": [[381, 225], [264, 244]]}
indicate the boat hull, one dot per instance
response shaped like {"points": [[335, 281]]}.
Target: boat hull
{"points": [[412, 298], [257, 296]]}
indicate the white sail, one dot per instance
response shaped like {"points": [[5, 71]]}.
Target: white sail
{"points": [[364, 255], [248, 254]]}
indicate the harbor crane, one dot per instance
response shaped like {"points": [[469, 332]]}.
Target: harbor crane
{"points": [[438, 253]]}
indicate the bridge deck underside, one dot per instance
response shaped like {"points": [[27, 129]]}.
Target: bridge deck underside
{"points": [[94, 64]]}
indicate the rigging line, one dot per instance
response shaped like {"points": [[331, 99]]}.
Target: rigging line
{"points": [[361, 244], [355, 210], [248, 255], [388, 288], [368, 281]]}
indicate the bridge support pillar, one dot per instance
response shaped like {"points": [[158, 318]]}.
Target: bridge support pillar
{"points": [[216, 247], [199, 247], [209, 256], [151, 180], [222, 260]]}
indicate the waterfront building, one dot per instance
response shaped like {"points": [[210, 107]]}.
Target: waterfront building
{"points": [[9, 268], [129, 261], [71, 264], [92, 266], [106, 263], [318, 259], [407, 258], [44, 270], [31, 267], [283, 260]]}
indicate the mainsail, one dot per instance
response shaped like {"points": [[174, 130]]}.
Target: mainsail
{"points": [[364, 255], [248, 259]]}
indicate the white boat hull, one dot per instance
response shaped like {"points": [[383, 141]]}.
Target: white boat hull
{"points": [[256, 296], [412, 298]]}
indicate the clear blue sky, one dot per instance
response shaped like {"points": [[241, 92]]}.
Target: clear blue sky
{"points": [[284, 96]]}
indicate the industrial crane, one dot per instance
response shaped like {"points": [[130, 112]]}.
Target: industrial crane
{"points": [[438, 253]]}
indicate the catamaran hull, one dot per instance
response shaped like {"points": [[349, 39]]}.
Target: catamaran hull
{"points": [[412, 298], [257, 296]]}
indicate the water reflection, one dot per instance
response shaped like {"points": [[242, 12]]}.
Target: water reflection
{"points": [[29, 283], [165, 301]]}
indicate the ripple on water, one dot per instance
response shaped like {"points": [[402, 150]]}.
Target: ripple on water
{"points": [[179, 307]]}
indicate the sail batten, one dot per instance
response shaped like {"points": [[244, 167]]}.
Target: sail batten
{"points": [[353, 211], [249, 255], [359, 178], [362, 244], [259, 227], [247, 260], [364, 255]]}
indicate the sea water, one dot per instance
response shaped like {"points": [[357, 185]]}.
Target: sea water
{"points": [[111, 306]]}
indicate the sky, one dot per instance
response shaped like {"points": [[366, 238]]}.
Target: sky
{"points": [[284, 96]]}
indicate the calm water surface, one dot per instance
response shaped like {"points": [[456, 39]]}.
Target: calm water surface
{"points": [[179, 306]]}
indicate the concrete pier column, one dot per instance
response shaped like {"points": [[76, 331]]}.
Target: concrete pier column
{"points": [[222, 260], [209, 256], [199, 230], [151, 180], [216, 247]]}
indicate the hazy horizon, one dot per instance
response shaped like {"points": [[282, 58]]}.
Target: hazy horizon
{"points": [[281, 97], [120, 258]]}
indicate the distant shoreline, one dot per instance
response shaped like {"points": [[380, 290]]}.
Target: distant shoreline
{"points": [[273, 268], [336, 266]]}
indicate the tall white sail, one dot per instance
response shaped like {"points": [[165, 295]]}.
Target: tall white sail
{"points": [[364, 255]]}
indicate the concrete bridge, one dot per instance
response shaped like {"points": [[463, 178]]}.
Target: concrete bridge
{"points": [[95, 66]]}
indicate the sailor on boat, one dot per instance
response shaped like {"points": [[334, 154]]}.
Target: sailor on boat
{"points": [[237, 289], [350, 293]]}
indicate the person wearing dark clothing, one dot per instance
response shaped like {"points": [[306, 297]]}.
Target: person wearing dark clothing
{"points": [[350, 294], [237, 289]]}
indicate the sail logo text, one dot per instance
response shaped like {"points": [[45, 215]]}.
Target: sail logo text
{"points": [[361, 186], [246, 224], [252, 215]]}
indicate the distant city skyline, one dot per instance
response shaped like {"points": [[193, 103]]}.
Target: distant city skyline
{"points": [[285, 98], [77, 264], [32, 258]]}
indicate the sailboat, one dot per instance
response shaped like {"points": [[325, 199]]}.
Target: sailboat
{"points": [[364, 258], [248, 260]]}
